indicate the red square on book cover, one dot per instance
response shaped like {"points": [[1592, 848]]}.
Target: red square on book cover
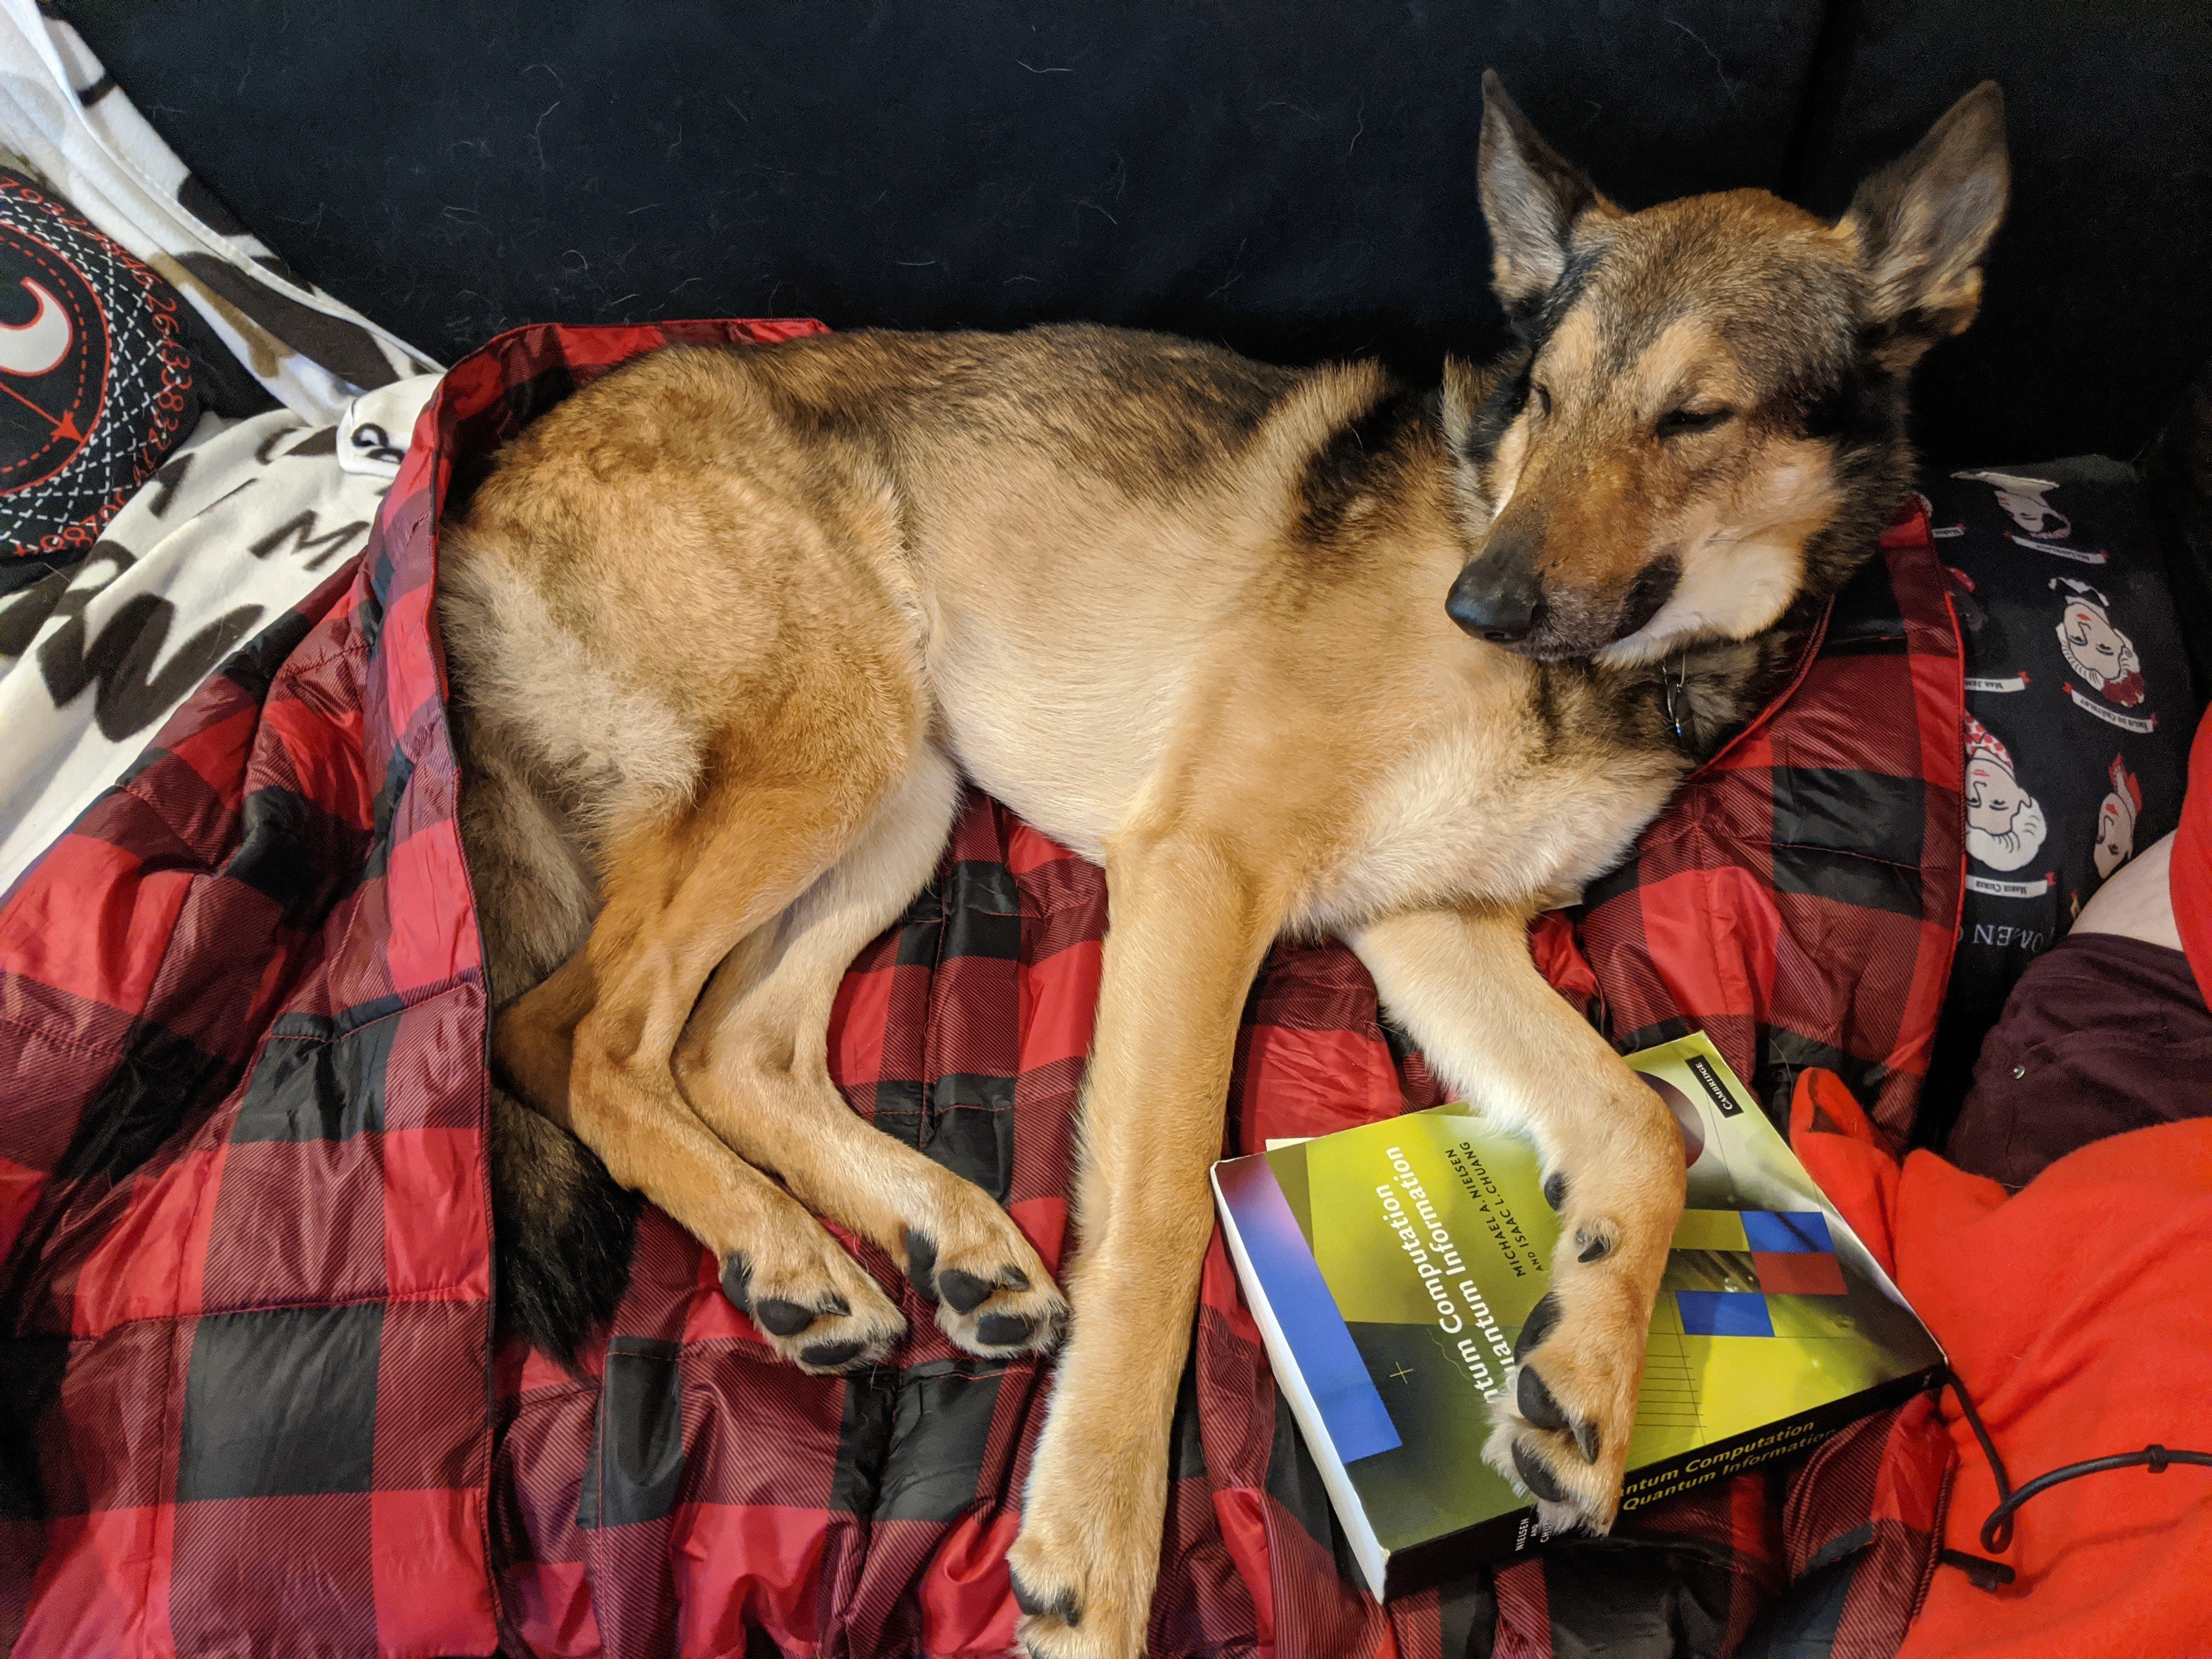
{"points": [[1799, 1273]]}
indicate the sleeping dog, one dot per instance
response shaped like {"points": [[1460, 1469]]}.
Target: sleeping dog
{"points": [[1304, 651]]}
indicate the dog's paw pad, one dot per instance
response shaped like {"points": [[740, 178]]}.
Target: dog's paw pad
{"points": [[1542, 1483], [780, 1318], [1060, 1604], [1537, 1405], [1012, 1316], [1541, 1318], [817, 1309], [1562, 1424], [921, 1264], [1000, 1330], [962, 1291], [988, 1301], [1572, 1493], [1086, 1596], [737, 1281]]}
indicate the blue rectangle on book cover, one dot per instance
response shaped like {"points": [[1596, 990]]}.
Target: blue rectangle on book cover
{"points": [[1297, 1296], [1787, 1231], [1724, 1313]]}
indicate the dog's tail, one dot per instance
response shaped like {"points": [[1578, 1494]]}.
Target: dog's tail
{"points": [[2179, 472], [561, 1230]]}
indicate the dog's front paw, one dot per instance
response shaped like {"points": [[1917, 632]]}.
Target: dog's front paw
{"points": [[993, 1294], [813, 1303], [1088, 1553], [1081, 1596], [1564, 1419]]}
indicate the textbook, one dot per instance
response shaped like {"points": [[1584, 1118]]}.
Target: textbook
{"points": [[1391, 1268]]}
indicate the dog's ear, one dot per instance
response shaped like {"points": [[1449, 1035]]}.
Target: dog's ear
{"points": [[1531, 198], [1923, 227]]}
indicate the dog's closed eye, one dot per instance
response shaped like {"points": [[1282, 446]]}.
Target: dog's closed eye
{"points": [[1679, 422]]}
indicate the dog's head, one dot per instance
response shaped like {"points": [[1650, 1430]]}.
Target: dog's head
{"points": [[1705, 420]]}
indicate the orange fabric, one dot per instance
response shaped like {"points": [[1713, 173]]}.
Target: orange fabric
{"points": [[2078, 1313], [1838, 1144]]}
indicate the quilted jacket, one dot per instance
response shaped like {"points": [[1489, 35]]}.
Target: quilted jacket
{"points": [[254, 1401]]}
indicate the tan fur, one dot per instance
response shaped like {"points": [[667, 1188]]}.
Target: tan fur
{"points": [[725, 626]]}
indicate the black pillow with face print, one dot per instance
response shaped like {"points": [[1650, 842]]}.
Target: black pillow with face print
{"points": [[96, 382], [2080, 712]]}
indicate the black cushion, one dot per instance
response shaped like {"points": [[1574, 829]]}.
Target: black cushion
{"points": [[1295, 180]]}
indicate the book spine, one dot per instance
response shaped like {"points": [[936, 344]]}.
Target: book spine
{"points": [[1424, 1565], [1748, 1451], [1427, 1564]]}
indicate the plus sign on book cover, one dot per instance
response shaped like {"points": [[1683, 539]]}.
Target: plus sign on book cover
{"points": [[1391, 1267]]}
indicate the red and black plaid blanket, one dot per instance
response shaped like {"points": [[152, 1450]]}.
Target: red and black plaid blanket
{"points": [[252, 1404]]}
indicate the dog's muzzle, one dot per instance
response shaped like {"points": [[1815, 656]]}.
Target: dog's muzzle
{"points": [[1499, 597]]}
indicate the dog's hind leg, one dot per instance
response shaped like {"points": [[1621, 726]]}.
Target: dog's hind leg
{"points": [[1463, 986], [780, 802], [755, 1066]]}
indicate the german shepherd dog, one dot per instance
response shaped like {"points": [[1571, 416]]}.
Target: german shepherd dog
{"points": [[1301, 651]]}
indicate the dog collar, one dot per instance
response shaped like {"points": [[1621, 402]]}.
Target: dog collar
{"points": [[1674, 684]]}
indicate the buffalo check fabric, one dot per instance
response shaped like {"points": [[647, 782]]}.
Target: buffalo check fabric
{"points": [[245, 1343], [1799, 899], [255, 1406]]}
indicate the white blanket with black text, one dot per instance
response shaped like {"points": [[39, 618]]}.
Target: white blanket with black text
{"points": [[239, 522]]}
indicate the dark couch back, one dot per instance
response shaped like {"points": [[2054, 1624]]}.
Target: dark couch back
{"points": [[1294, 179]]}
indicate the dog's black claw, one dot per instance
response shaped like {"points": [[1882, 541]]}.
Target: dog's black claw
{"points": [[1541, 1318], [962, 1290], [1063, 1606], [1000, 1330], [921, 1264], [1544, 1411], [1536, 1402], [736, 1281], [1555, 1190], [1596, 1250], [1013, 1280], [827, 1354], [780, 1318], [1533, 1475]]}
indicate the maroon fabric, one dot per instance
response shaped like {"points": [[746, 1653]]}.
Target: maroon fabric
{"points": [[243, 1175], [2102, 1035], [2190, 876]]}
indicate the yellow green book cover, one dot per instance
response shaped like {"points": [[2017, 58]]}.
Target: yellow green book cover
{"points": [[1391, 1266]]}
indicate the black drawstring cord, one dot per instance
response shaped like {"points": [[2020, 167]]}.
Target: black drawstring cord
{"points": [[1997, 1530]]}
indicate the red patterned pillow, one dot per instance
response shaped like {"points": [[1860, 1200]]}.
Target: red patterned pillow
{"points": [[96, 384]]}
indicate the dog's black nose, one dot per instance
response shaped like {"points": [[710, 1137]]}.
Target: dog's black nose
{"points": [[1498, 596]]}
